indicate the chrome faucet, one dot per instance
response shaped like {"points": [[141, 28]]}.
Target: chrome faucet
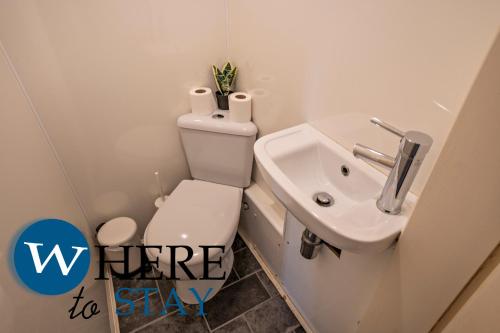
{"points": [[413, 147]]}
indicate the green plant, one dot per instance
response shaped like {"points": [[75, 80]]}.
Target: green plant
{"points": [[224, 78]]}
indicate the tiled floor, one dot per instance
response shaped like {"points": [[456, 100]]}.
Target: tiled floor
{"points": [[248, 303]]}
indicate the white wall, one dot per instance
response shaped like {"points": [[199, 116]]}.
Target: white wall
{"points": [[34, 187], [337, 63], [454, 226], [477, 308], [109, 79]]}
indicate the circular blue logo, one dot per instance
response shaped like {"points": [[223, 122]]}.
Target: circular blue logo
{"points": [[51, 257]]}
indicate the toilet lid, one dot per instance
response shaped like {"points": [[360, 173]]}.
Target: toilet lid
{"points": [[196, 213], [117, 231]]}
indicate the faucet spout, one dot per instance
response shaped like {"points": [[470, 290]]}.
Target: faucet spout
{"points": [[371, 155]]}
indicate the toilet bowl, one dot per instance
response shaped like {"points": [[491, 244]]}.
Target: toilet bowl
{"points": [[204, 211], [196, 213]]}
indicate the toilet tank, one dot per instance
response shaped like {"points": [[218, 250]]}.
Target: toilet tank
{"points": [[218, 150]]}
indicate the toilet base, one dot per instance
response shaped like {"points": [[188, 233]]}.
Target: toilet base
{"points": [[202, 286]]}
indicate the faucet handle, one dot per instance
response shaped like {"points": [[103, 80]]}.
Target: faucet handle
{"points": [[412, 142], [388, 127]]}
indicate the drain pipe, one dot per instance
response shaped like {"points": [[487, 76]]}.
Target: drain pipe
{"points": [[311, 244], [309, 248]]}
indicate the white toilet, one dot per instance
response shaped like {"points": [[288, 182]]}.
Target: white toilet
{"points": [[204, 211]]}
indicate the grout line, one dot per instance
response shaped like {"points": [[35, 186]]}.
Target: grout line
{"points": [[243, 278], [168, 314], [236, 273], [226, 323], [229, 321], [252, 273], [264, 285], [260, 304], [239, 250], [158, 288], [248, 324], [252, 308], [154, 321], [206, 323]]}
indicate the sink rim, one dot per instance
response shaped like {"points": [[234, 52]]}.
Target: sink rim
{"points": [[333, 230]]}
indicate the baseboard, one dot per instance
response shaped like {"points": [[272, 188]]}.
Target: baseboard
{"points": [[110, 300]]}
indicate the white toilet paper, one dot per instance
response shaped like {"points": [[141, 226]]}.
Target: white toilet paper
{"points": [[240, 107], [202, 100]]}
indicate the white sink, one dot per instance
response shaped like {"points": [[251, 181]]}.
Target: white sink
{"points": [[300, 161]]}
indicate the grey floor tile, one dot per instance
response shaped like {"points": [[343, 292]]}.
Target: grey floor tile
{"points": [[272, 316], [232, 301], [138, 318], [239, 325], [134, 283], [232, 278], [245, 263], [174, 323], [165, 286], [238, 243], [299, 329], [266, 282]]}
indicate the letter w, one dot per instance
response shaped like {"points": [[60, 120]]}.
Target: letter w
{"points": [[56, 251]]}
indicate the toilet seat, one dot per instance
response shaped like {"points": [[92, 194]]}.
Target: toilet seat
{"points": [[196, 213]]}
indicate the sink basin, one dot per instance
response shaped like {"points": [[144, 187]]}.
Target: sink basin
{"points": [[300, 162]]}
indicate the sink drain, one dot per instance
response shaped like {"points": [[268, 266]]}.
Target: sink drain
{"points": [[323, 199], [344, 169]]}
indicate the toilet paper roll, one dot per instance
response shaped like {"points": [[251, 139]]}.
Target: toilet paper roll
{"points": [[202, 100], [240, 107]]}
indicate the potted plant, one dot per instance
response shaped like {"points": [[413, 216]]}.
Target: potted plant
{"points": [[224, 80]]}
